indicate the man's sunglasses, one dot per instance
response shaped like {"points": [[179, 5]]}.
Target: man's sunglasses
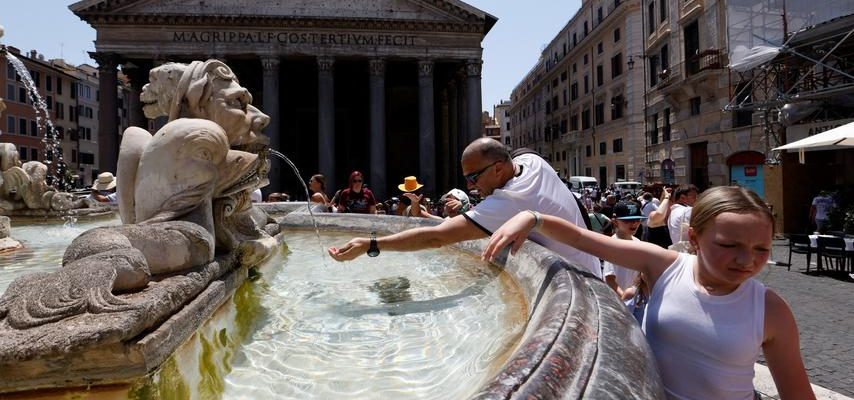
{"points": [[472, 177], [357, 180]]}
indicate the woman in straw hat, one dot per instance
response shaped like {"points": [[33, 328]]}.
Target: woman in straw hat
{"points": [[104, 189]]}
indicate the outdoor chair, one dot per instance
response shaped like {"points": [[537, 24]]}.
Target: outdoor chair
{"points": [[800, 244], [833, 248], [836, 233]]}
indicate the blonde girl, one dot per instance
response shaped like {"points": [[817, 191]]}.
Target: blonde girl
{"points": [[707, 319]]}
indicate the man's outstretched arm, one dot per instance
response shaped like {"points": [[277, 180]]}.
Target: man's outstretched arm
{"points": [[453, 230]]}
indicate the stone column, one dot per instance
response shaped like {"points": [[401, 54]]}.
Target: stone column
{"points": [[270, 66], [473, 100], [138, 74], [462, 122], [378, 182], [447, 157], [326, 119], [426, 126], [108, 135], [454, 131]]}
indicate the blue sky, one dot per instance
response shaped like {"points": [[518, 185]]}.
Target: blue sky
{"points": [[510, 49]]}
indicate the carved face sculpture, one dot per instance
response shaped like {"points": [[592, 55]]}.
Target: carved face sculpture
{"points": [[230, 106], [158, 93]]}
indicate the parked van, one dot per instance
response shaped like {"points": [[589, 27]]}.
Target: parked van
{"points": [[627, 187], [577, 183]]}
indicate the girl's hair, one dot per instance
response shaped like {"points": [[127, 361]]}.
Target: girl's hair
{"points": [[721, 199], [321, 180], [354, 175], [640, 282]]}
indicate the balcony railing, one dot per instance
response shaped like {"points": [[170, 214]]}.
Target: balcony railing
{"points": [[653, 136], [705, 60]]}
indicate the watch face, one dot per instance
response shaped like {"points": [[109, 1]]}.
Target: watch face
{"points": [[373, 250]]}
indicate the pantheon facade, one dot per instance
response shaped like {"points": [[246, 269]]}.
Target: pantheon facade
{"points": [[387, 87]]}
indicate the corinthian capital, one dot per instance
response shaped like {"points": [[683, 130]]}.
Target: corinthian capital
{"points": [[473, 67], [425, 68], [270, 64], [105, 60], [325, 63], [377, 66]]}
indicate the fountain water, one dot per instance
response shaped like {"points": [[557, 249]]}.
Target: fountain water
{"points": [[53, 151], [308, 200]]}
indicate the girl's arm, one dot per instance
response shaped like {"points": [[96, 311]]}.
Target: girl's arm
{"points": [[640, 256], [782, 350]]}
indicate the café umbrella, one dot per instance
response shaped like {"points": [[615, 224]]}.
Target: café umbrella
{"points": [[836, 138]]}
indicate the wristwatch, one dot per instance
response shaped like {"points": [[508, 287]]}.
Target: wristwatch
{"points": [[373, 250]]}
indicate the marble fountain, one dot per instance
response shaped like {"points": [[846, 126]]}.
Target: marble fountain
{"points": [[194, 292]]}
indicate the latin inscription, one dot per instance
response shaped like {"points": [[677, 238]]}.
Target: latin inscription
{"points": [[293, 38]]}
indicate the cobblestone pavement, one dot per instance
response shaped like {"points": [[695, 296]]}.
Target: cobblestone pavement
{"points": [[823, 305]]}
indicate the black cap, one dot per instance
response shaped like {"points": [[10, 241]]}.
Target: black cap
{"points": [[627, 210]]}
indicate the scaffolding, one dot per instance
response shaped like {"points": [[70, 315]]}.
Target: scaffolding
{"points": [[790, 61]]}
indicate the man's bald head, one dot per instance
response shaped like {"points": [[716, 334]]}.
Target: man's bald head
{"points": [[486, 150]]}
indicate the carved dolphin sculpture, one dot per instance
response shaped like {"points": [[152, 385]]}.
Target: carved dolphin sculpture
{"points": [[102, 261], [181, 169], [186, 163]]}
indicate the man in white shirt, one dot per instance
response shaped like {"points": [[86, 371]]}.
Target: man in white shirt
{"points": [[680, 212], [508, 186], [820, 210]]}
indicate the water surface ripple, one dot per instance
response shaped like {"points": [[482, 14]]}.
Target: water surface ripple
{"points": [[428, 325]]}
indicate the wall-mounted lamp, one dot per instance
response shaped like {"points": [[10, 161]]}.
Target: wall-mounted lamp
{"points": [[631, 61]]}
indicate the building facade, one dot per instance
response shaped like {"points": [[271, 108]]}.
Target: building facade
{"points": [[387, 87], [690, 139], [502, 119], [581, 105]]}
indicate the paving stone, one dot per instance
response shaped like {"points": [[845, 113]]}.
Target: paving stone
{"points": [[823, 305]]}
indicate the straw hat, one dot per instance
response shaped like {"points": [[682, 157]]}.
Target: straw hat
{"points": [[410, 184], [106, 181]]}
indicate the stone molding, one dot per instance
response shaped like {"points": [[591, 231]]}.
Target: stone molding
{"points": [[285, 22], [116, 11], [377, 66], [425, 68], [325, 64]]}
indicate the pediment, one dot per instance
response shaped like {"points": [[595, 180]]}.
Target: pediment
{"points": [[446, 11]]}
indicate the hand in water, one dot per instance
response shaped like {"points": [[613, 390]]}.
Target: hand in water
{"points": [[513, 233], [351, 250]]}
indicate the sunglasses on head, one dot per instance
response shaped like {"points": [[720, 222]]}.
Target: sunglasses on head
{"points": [[472, 177]]}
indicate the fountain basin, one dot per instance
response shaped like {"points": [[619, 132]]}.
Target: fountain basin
{"points": [[578, 341]]}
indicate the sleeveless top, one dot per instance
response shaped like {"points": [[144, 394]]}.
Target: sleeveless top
{"points": [[705, 346]]}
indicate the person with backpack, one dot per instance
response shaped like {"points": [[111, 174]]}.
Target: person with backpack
{"points": [[508, 185]]}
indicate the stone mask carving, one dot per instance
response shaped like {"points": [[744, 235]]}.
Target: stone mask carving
{"points": [[208, 90]]}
